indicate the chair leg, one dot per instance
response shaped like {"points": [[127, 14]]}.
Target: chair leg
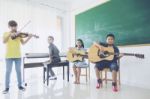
{"points": [[68, 72], [86, 74], [101, 77], [63, 73], [89, 74], [47, 75], [105, 77], [119, 78], [44, 70]]}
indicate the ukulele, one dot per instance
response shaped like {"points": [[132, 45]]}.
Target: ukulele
{"points": [[96, 55], [74, 55]]}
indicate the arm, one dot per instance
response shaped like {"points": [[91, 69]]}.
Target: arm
{"points": [[6, 38], [26, 40], [98, 45], [50, 56], [120, 54], [50, 52]]}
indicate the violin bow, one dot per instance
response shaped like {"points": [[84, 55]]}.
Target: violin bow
{"points": [[25, 25]]}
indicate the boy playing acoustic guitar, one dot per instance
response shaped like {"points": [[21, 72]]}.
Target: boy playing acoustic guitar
{"points": [[112, 65]]}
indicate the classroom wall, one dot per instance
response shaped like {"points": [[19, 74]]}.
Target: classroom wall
{"points": [[134, 71], [43, 23]]}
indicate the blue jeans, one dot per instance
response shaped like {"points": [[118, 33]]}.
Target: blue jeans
{"points": [[9, 64], [51, 66]]}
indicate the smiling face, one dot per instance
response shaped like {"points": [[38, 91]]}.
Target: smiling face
{"points": [[13, 28], [79, 44], [110, 40]]}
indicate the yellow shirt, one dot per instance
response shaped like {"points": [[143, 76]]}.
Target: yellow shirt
{"points": [[13, 47]]}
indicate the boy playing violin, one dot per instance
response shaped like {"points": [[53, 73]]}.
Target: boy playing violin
{"points": [[13, 54]]}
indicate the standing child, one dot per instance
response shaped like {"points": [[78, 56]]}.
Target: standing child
{"points": [[13, 54]]}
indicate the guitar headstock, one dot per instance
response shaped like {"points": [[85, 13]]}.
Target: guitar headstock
{"points": [[140, 56]]}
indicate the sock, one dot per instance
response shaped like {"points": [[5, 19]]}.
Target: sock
{"points": [[114, 84], [99, 81]]}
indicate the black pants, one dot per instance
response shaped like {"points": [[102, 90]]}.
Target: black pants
{"points": [[54, 61]]}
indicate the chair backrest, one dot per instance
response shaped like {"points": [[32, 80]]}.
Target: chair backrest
{"points": [[87, 63]]}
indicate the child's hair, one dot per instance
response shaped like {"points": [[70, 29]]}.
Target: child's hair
{"points": [[110, 35], [12, 23], [82, 44], [51, 37]]}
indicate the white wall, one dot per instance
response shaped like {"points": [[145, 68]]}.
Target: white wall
{"points": [[134, 71], [43, 23]]}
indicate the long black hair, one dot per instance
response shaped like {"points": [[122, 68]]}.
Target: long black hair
{"points": [[82, 44]]}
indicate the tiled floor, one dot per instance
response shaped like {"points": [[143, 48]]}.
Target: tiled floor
{"points": [[67, 90], [63, 90]]}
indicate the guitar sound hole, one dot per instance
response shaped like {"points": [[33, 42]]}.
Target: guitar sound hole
{"points": [[103, 54]]}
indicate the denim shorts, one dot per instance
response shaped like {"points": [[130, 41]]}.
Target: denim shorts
{"points": [[113, 66]]}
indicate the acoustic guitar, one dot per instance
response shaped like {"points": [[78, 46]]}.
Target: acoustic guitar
{"points": [[76, 55], [96, 55]]}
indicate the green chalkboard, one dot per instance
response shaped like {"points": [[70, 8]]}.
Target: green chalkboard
{"points": [[129, 20]]}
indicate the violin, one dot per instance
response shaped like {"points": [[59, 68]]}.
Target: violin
{"points": [[22, 35]]}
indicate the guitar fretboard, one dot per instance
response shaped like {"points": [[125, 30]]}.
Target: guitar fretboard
{"points": [[128, 54]]}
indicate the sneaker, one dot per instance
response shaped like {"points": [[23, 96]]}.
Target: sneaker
{"points": [[6, 91], [22, 88], [114, 87], [53, 78], [99, 84]]}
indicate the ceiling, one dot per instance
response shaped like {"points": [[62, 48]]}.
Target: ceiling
{"points": [[58, 1], [65, 5], [66, 1], [70, 4]]}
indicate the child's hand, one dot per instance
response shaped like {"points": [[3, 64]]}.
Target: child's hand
{"points": [[71, 48], [101, 48], [48, 62], [121, 55], [13, 34], [30, 35], [95, 43]]}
